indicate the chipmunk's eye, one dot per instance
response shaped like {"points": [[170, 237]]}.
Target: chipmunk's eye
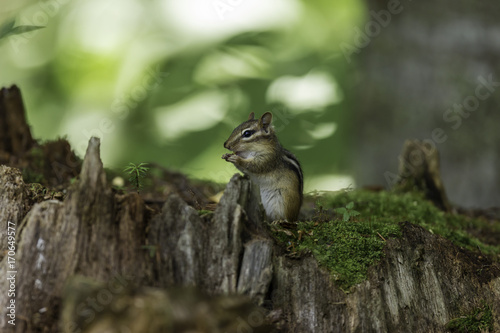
{"points": [[248, 133]]}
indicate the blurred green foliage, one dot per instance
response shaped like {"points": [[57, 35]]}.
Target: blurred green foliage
{"points": [[168, 81], [9, 29]]}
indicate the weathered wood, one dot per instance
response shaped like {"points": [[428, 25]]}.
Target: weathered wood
{"points": [[89, 233], [15, 134], [240, 191], [207, 253], [12, 203], [256, 270], [307, 297], [225, 243], [422, 282], [177, 235], [101, 235], [419, 170]]}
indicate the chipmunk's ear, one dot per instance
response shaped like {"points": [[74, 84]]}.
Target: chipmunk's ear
{"points": [[251, 116], [265, 120]]}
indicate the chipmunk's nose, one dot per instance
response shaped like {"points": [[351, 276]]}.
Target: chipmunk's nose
{"points": [[226, 145]]}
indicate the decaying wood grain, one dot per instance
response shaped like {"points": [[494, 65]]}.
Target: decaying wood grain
{"points": [[12, 202], [15, 134], [422, 283], [307, 297], [207, 252], [89, 234], [256, 269], [419, 170]]}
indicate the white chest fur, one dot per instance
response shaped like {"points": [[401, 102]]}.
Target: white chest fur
{"points": [[271, 197]]}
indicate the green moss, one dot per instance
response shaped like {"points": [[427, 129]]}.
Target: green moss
{"points": [[348, 246], [38, 193], [480, 320], [391, 207], [33, 173]]}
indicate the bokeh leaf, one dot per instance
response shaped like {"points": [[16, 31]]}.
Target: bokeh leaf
{"points": [[24, 28], [8, 29]]}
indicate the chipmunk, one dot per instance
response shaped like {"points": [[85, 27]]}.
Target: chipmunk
{"points": [[260, 156]]}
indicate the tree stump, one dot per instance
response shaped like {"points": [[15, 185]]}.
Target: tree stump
{"points": [[101, 260], [15, 134], [103, 236], [419, 171], [52, 163]]}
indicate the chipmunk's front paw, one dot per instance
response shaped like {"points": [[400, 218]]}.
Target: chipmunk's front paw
{"points": [[230, 157]]}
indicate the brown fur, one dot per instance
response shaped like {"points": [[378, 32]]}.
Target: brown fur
{"points": [[268, 164]]}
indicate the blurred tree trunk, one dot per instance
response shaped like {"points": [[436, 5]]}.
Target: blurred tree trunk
{"points": [[430, 71]]}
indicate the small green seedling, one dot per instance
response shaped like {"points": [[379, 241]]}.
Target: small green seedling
{"points": [[347, 211], [136, 173]]}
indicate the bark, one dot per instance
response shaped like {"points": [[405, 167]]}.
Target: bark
{"points": [[422, 283], [90, 233], [419, 171], [207, 253], [12, 202], [15, 134]]}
